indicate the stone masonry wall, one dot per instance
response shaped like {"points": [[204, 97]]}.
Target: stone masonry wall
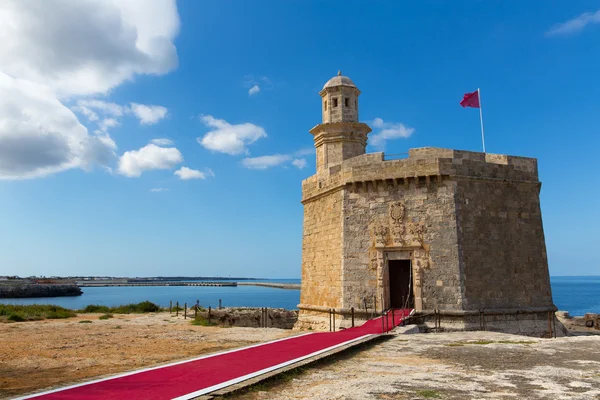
{"points": [[433, 206], [502, 244], [322, 252]]}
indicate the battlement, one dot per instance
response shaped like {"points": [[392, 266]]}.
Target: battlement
{"points": [[422, 165], [458, 157]]}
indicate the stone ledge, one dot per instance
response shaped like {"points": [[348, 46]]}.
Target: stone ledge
{"points": [[339, 311], [490, 311]]}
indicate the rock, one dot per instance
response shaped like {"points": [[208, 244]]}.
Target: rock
{"points": [[592, 320], [251, 317], [38, 290], [563, 315], [407, 329]]}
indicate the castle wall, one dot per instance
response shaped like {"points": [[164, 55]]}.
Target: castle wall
{"points": [[322, 252], [433, 206], [502, 244]]}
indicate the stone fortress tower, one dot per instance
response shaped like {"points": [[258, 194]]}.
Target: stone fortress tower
{"points": [[456, 235]]}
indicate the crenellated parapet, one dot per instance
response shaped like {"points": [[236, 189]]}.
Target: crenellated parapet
{"points": [[421, 167]]}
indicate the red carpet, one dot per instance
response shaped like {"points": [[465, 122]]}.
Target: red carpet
{"points": [[192, 378]]}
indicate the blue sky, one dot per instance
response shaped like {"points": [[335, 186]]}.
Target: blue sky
{"points": [[222, 84]]}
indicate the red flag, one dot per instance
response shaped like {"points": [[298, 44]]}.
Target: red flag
{"points": [[471, 100]]}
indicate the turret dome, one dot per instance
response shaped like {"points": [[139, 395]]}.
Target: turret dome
{"points": [[339, 80]]}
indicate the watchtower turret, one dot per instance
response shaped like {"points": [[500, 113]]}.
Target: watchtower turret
{"points": [[340, 136]]}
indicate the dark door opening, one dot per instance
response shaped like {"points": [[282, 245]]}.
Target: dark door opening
{"points": [[401, 290]]}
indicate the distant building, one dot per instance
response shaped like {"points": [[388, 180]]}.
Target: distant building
{"points": [[453, 234]]}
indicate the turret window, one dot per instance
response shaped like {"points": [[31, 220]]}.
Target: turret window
{"points": [[347, 102], [334, 102], [325, 107]]}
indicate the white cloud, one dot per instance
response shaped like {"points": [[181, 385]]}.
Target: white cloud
{"points": [[186, 173], [91, 115], [574, 25], [385, 131], [253, 90], [299, 163], [148, 114], [93, 108], [54, 50], [162, 142], [87, 47], [134, 163], [158, 190], [227, 138], [264, 162], [257, 83], [40, 136], [107, 123], [104, 107]]}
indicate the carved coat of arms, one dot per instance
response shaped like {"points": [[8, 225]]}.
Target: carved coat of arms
{"points": [[397, 212]]}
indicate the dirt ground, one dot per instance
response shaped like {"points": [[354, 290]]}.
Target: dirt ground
{"points": [[456, 366], [42, 354], [466, 365]]}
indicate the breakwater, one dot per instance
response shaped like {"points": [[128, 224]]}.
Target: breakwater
{"points": [[161, 283], [292, 286], [112, 283], [24, 290]]}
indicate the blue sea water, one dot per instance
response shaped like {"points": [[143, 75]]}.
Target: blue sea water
{"points": [[231, 296], [576, 294]]}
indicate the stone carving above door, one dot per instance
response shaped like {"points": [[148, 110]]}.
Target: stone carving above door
{"points": [[397, 212], [398, 230], [381, 233], [392, 232]]}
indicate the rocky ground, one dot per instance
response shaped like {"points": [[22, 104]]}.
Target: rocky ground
{"points": [[465, 365], [41, 354]]}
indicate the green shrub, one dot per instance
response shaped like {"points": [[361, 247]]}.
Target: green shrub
{"points": [[33, 312], [134, 308], [429, 394], [16, 318], [139, 308], [146, 307], [95, 308], [106, 316], [201, 321], [85, 321]]}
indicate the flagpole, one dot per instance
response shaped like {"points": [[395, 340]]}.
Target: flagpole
{"points": [[481, 119]]}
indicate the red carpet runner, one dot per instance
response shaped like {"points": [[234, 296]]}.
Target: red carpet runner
{"points": [[191, 378]]}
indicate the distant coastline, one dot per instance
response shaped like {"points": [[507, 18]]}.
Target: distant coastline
{"points": [[33, 290]]}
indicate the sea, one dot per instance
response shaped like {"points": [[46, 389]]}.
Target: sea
{"points": [[208, 296], [576, 294]]}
